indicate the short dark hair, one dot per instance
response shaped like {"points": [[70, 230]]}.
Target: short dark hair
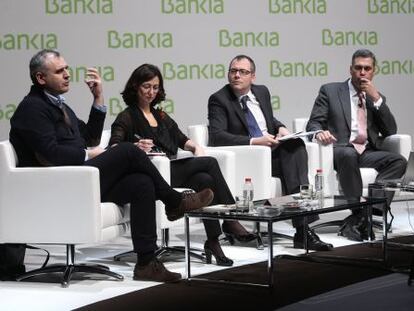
{"points": [[142, 74], [37, 63], [240, 57], [365, 53]]}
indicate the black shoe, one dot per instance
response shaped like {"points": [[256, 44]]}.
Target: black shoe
{"points": [[355, 228], [314, 242], [351, 233], [155, 271], [364, 232], [213, 248], [233, 230]]}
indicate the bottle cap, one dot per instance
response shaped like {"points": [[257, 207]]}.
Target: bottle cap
{"points": [[319, 170], [247, 179]]}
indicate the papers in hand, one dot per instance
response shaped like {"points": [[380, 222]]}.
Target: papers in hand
{"points": [[298, 135], [152, 153]]}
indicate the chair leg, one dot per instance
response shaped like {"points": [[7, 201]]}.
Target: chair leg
{"points": [[166, 250], [70, 268]]}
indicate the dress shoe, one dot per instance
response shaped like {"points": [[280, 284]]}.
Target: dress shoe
{"points": [[233, 230], [314, 242], [190, 202], [355, 228], [213, 248], [155, 271], [351, 233]]}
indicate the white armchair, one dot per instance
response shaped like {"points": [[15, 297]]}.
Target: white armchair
{"points": [[56, 205], [399, 143]]}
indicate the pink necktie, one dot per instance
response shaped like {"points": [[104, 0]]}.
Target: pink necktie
{"points": [[361, 138]]}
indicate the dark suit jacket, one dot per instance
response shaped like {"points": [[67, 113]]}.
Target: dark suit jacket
{"points": [[41, 137], [227, 123], [332, 111]]}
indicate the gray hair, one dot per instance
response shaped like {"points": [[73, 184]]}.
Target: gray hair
{"points": [[37, 62]]}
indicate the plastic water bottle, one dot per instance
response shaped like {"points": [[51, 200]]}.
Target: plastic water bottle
{"points": [[248, 193], [319, 186]]}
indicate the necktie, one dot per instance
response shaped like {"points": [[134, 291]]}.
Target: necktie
{"points": [[254, 129], [361, 138], [61, 103]]}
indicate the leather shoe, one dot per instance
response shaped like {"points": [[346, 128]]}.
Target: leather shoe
{"points": [[155, 271], [355, 228], [190, 202], [314, 242], [350, 232]]}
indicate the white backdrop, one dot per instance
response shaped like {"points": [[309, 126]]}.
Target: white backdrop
{"points": [[192, 41]]}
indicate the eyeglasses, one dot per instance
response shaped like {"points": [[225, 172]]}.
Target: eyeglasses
{"points": [[360, 68], [242, 72]]}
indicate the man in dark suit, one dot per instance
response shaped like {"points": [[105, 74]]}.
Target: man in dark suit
{"points": [[352, 115], [241, 114], [45, 131]]}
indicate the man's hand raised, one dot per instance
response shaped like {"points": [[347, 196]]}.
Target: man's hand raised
{"points": [[94, 83]]}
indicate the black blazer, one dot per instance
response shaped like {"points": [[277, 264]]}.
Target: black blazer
{"points": [[41, 137], [332, 111], [167, 136], [227, 123]]}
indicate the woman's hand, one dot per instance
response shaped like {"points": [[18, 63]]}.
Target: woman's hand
{"points": [[145, 144]]}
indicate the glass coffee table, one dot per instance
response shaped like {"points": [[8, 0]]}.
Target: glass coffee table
{"points": [[281, 208]]}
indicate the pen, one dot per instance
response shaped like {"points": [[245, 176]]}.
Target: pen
{"points": [[137, 136]]}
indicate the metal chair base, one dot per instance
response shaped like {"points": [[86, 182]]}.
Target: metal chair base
{"points": [[70, 268]]}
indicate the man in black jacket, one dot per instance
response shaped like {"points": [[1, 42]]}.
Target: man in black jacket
{"points": [[45, 131]]}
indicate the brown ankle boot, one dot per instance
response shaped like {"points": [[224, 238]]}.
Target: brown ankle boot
{"points": [[155, 271], [189, 202]]}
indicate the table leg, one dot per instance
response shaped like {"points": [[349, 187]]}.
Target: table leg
{"points": [[270, 258], [187, 247]]}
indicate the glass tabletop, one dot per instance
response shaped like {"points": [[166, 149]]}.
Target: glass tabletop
{"points": [[285, 207]]}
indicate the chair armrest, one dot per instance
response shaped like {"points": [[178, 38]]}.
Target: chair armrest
{"points": [[182, 154], [398, 143], [327, 166], [227, 161], [254, 162], [68, 195], [312, 149], [162, 163]]}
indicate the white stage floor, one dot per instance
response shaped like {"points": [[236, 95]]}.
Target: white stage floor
{"points": [[51, 296]]}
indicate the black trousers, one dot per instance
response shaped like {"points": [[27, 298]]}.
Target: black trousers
{"points": [[199, 173], [128, 176], [347, 163], [290, 164]]}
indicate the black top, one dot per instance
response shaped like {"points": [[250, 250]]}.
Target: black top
{"points": [[167, 136]]}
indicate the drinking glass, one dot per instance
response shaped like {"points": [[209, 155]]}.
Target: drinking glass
{"points": [[306, 192]]}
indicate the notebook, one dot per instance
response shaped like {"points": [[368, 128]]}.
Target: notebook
{"points": [[407, 181]]}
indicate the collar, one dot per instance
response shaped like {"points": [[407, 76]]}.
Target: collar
{"points": [[56, 100], [353, 91]]}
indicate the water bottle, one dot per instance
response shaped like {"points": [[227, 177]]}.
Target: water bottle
{"points": [[319, 186], [248, 193]]}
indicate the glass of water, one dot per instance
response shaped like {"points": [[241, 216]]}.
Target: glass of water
{"points": [[306, 192]]}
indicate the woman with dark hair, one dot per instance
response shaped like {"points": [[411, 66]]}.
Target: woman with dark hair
{"points": [[149, 128]]}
